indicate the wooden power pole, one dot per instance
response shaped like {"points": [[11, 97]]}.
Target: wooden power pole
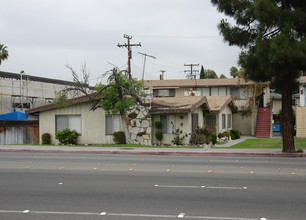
{"points": [[191, 71], [129, 46]]}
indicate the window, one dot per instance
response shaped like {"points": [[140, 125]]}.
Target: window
{"points": [[168, 123], [211, 122], [223, 121], [112, 124], [194, 122], [240, 93], [214, 91], [205, 92], [218, 91], [72, 122], [164, 93], [229, 121]]}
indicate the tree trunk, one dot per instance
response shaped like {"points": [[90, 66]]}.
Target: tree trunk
{"points": [[287, 117], [125, 128]]}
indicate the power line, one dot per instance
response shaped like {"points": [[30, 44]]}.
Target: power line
{"points": [[192, 72], [129, 46]]}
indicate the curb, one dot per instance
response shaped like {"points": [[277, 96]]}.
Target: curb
{"points": [[288, 155]]}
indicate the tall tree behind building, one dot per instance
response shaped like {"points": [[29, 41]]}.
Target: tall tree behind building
{"points": [[3, 53], [271, 34]]}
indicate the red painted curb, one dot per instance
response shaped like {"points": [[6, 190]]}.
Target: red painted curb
{"points": [[162, 153]]}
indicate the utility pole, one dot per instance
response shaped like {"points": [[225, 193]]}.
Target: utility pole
{"points": [[162, 75], [191, 71], [144, 62], [129, 46]]}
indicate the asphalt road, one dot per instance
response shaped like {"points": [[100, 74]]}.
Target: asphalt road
{"points": [[80, 186]]}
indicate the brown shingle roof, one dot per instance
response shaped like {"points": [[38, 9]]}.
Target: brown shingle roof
{"points": [[183, 104], [186, 104], [77, 100], [217, 103], [197, 82]]}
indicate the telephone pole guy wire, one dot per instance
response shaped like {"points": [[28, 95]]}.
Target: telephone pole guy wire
{"points": [[144, 63]]}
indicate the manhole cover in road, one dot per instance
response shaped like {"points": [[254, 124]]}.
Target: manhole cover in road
{"points": [[126, 148]]}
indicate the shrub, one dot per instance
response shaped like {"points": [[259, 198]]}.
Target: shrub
{"points": [[221, 135], [119, 137], [46, 138], [177, 140], [158, 125], [197, 138], [233, 137], [227, 134], [236, 133], [200, 139], [159, 135], [67, 136], [213, 137], [300, 150]]}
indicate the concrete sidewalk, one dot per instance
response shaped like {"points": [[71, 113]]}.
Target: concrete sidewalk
{"points": [[214, 151]]}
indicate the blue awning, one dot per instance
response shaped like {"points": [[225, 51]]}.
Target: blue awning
{"points": [[13, 116]]}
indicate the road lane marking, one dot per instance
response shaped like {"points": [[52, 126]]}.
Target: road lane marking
{"points": [[201, 187], [157, 171], [181, 215]]}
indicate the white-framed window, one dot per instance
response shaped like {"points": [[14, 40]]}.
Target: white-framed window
{"points": [[168, 123], [112, 124], [72, 122], [223, 121], [229, 120]]}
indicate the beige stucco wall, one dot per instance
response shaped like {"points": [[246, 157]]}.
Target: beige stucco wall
{"points": [[225, 111], [301, 122], [242, 124], [93, 124], [182, 121], [277, 106]]}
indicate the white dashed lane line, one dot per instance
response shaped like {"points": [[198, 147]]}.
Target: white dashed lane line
{"points": [[180, 215]]}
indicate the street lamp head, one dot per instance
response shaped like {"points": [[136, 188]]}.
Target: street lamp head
{"points": [[21, 72]]}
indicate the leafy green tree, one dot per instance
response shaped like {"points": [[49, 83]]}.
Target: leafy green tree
{"points": [[234, 72], [271, 34], [210, 74], [3, 53], [207, 74], [117, 96], [222, 76]]}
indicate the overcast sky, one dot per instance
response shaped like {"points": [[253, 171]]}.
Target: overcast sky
{"points": [[43, 36]]}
